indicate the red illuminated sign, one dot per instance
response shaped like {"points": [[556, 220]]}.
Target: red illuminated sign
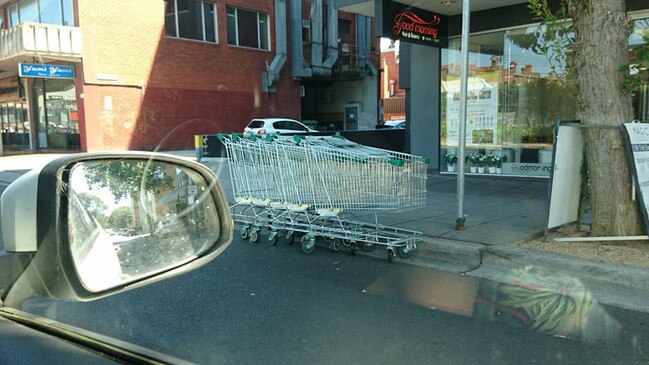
{"points": [[414, 25]]}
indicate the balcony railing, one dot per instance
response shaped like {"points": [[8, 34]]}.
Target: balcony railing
{"points": [[41, 40]]}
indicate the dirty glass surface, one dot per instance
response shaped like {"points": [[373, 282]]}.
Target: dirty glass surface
{"points": [[343, 252]]}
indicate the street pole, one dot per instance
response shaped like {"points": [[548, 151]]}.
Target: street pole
{"points": [[464, 76]]}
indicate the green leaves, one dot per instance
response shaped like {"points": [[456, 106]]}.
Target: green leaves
{"points": [[636, 73], [126, 177], [555, 38]]}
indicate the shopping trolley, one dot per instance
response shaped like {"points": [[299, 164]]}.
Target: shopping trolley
{"points": [[316, 187]]}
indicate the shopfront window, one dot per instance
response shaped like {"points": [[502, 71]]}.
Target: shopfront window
{"points": [[56, 114], [14, 125], [514, 98], [640, 35]]}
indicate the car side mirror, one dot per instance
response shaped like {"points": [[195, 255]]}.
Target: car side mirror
{"points": [[100, 223]]}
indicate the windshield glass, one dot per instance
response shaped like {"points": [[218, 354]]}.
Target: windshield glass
{"points": [[431, 205]]}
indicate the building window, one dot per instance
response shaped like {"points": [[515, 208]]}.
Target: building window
{"points": [[515, 96], [191, 19], [248, 28], [58, 12]]}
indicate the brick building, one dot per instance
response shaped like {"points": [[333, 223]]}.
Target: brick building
{"points": [[153, 73], [393, 97]]}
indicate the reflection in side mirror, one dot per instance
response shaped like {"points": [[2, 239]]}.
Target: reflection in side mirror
{"points": [[132, 218]]}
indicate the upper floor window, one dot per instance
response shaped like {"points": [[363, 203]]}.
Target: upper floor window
{"points": [[248, 28], [191, 19], [57, 12]]}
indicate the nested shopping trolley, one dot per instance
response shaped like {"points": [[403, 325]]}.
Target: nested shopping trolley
{"points": [[319, 187]]}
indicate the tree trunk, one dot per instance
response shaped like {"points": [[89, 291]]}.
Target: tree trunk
{"points": [[600, 49]]}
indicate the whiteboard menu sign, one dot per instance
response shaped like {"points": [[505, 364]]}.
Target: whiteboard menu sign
{"points": [[565, 174], [637, 139]]}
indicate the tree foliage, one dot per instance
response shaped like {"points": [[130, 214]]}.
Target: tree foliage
{"points": [[126, 178], [94, 205], [120, 218], [555, 39]]}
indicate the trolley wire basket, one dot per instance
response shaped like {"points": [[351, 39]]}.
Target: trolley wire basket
{"points": [[313, 185]]}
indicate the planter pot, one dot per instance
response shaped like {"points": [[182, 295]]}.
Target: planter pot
{"points": [[492, 169], [481, 169], [451, 168], [473, 169], [499, 170]]}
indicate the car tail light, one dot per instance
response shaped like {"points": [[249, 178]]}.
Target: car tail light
{"points": [[261, 131]]}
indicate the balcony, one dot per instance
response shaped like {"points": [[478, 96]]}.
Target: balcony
{"points": [[32, 40]]}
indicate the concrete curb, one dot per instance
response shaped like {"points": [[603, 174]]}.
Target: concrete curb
{"points": [[620, 285]]}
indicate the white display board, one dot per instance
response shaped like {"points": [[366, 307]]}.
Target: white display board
{"points": [[637, 140], [482, 111], [565, 177]]}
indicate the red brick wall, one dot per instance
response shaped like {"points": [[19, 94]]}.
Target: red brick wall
{"points": [[390, 72], [164, 82]]}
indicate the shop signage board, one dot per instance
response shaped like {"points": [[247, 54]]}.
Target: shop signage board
{"points": [[637, 141], [37, 70], [414, 25], [527, 169]]}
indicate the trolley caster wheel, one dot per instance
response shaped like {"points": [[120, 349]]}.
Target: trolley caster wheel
{"points": [[308, 244], [244, 232], [391, 255], [368, 246], [347, 243], [288, 237], [353, 247], [334, 245], [404, 252], [272, 239], [253, 236]]}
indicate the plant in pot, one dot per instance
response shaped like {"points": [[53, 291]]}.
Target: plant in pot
{"points": [[451, 162], [499, 166], [472, 158], [482, 161], [495, 162]]}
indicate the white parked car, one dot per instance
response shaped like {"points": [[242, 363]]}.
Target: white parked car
{"points": [[392, 124], [276, 125]]}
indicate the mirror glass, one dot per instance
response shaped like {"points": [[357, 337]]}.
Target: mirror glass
{"points": [[131, 218]]}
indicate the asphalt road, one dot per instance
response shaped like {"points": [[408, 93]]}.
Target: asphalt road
{"points": [[274, 305]]}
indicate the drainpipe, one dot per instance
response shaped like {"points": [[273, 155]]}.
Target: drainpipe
{"points": [[316, 37], [270, 77], [297, 51], [332, 35], [363, 43]]}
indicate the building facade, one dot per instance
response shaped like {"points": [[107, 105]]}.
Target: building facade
{"points": [[516, 93], [152, 74]]}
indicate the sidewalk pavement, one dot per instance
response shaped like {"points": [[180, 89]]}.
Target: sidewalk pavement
{"points": [[499, 212]]}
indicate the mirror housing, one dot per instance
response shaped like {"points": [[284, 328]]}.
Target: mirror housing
{"points": [[36, 213]]}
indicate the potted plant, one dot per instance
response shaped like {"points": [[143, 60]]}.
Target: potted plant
{"points": [[499, 165], [481, 161], [473, 159], [495, 161], [451, 161]]}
